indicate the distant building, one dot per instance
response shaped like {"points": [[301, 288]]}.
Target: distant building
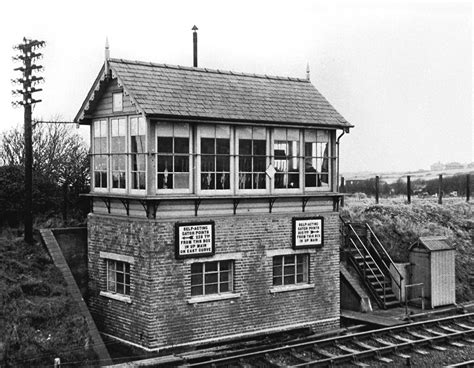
{"points": [[454, 166], [437, 166]]}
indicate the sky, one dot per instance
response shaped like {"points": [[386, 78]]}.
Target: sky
{"points": [[399, 71]]}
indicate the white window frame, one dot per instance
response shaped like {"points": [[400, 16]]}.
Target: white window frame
{"points": [[203, 285], [116, 106], [330, 162], [111, 154], [236, 158], [306, 267], [215, 192], [191, 162], [106, 154], [300, 189], [129, 145]]}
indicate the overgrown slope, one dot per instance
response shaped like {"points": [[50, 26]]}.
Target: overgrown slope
{"points": [[400, 225], [38, 319]]}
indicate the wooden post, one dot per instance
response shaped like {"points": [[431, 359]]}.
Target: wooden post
{"points": [[342, 189], [440, 189], [408, 189], [468, 187], [377, 189]]}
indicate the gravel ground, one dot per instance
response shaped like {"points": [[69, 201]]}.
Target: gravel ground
{"points": [[435, 358]]}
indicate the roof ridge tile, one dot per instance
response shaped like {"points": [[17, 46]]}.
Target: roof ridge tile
{"points": [[207, 70]]}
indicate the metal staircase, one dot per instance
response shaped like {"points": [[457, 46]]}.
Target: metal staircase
{"points": [[369, 258]]}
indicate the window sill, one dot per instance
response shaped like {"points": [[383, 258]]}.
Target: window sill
{"points": [[119, 297], [282, 289], [213, 298]]}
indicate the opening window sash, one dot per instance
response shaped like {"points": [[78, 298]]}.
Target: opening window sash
{"points": [[317, 159], [211, 278], [290, 269], [118, 277], [252, 158], [214, 159], [173, 157], [138, 153], [286, 152], [100, 151], [118, 157]]}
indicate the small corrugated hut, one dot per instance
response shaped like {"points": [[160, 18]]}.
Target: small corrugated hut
{"points": [[432, 261]]}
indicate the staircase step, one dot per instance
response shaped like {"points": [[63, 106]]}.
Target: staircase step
{"points": [[394, 303]]}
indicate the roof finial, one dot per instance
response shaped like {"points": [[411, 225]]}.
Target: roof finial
{"points": [[308, 77], [107, 56]]}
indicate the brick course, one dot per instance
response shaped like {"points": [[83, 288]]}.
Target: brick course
{"points": [[160, 315]]}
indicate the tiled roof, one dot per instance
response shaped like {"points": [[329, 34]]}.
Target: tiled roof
{"points": [[435, 243], [167, 90]]}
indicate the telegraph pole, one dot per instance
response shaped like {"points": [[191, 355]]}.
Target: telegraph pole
{"points": [[28, 55]]}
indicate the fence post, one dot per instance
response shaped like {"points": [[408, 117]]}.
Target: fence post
{"points": [[342, 189], [468, 187], [377, 189], [440, 189], [408, 189]]}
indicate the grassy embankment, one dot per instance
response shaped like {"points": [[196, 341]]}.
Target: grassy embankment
{"points": [[398, 225], [39, 321]]}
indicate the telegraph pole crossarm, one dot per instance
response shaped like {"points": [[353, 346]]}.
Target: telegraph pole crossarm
{"points": [[27, 55]]}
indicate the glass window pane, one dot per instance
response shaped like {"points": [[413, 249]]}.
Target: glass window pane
{"points": [[196, 268], [165, 163], [259, 147], [293, 181], [181, 164], [181, 129], [222, 131], [196, 290], [165, 144], [288, 280], [181, 145], [211, 289], [224, 287], [245, 132], [210, 278], [279, 134], [259, 133], [245, 147], [310, 135], [196, 279], [208, 181], [120, 288], [293, 135], [181, 181], [165, 129], [211, 267], [277, 271], [323, 136], [222, 163], [207, 145], [141, 126], [222, 146], [133, 126], [290, 259], [277, 281], [120, 277], [225, 265]]}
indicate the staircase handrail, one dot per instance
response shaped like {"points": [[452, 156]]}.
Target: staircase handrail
{"points": [[366, 250], [370, 268], [385, 253]]}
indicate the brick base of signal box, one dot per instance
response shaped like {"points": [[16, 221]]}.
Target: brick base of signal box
{"points": [[160, 311]]}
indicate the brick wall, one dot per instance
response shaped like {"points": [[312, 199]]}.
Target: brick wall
{"points": [[160, 315]]}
